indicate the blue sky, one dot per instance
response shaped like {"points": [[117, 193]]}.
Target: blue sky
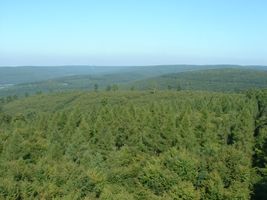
{"points": [[133, 32]]}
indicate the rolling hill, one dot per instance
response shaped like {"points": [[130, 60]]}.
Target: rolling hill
{"points": [[222, 79], [37, 78], [229, 79], [29, 74]]}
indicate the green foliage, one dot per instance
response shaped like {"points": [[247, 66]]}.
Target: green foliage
{"points": [[96, 87], [233, 80], [216, 78], [260, 147], [134, 145]]}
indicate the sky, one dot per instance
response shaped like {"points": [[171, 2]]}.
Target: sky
{"points": [[133, 32]]}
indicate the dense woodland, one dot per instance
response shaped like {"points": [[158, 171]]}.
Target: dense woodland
{"points": [[89, 110], [26, 74], [134, 145], [223, 80], [231, 79]]}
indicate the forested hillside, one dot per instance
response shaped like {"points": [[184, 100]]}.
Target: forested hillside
{"points": [[150, 78], [134, 145], [227, 79], [70, 83], [29, 74]]}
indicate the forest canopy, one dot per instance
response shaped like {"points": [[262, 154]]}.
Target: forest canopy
{"points": [[134, 145]]}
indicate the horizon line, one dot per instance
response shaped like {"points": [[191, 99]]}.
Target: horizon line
{"points": [[150, 65]]}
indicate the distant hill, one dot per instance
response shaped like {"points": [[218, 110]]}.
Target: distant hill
{"points": [[78, 82], [232, 78], [27, 74], [16, 75], [229, 79]]}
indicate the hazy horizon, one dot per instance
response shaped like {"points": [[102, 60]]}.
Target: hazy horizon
{"points": [[132, 33], [87, 65]]}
